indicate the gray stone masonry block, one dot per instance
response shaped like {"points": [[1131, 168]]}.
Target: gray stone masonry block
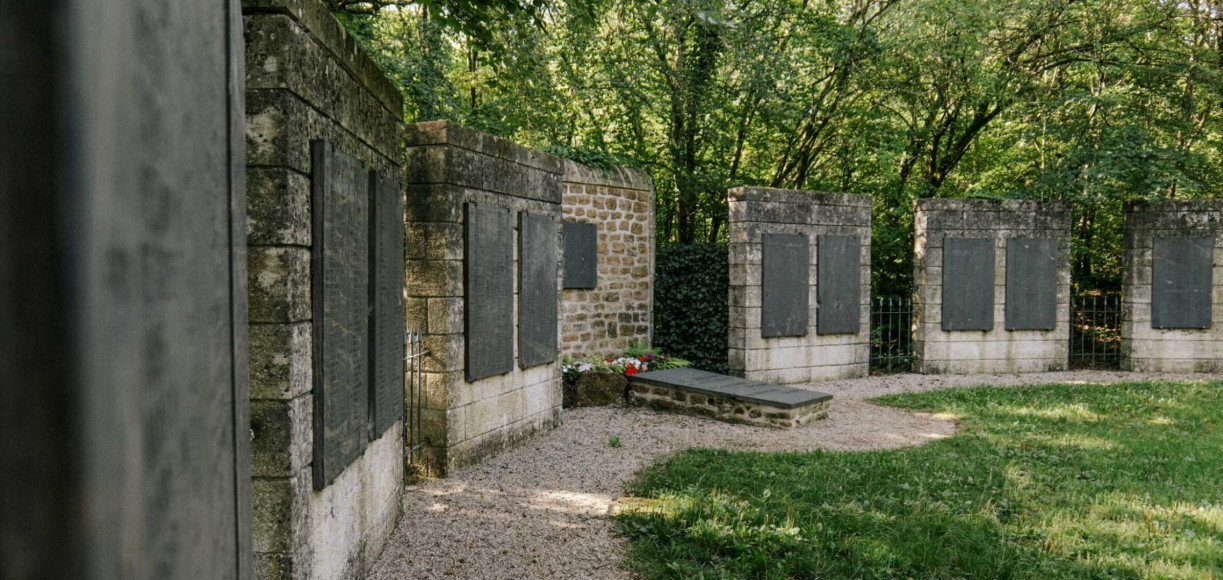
{"points": [[280, 127], [281, 436], [277, 207], [280, 365], [455, 135], [273, 519], [279, 284], [280, 54], [314, 16]]}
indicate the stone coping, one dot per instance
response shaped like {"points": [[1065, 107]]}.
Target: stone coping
{"points": [[733, 388]]}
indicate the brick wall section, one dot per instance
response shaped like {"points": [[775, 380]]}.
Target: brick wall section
{"points": [[618, 313], [1146, 349], [755, 211], [307, 80], [998, 350], [448, 166]]}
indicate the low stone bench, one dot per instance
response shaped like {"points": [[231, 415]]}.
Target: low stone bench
{"points": [[724, 398]]}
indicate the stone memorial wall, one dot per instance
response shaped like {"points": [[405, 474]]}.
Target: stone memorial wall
{"points": [[124, 451], [325, 143], [484, 220], [1172, 287], [607, 304], [799, 285], [992, 285]]}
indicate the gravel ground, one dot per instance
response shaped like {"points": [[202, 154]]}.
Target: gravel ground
{"points": [[540, 510]]}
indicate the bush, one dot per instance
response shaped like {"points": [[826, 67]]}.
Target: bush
{"points": [[691, 283]]}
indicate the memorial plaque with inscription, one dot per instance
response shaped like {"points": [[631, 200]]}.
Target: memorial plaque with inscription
{"points": [[489, 292], [838, 285], [1180, 282], [784, 284], [968, 284], [581, 256], [537, 294], [1031, 284], [386, 326], [340, 290]]}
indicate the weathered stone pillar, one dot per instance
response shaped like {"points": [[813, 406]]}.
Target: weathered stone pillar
{"points": [[307, 82], [799, 285], [1172, 287], [617, 312], [992, 286], [480, 210]]}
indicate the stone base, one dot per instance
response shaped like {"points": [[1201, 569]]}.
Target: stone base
{"points": [[596, 389], [724, 409]]}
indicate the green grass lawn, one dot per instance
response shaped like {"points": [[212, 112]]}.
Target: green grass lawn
{"points": [[1055, 481]]}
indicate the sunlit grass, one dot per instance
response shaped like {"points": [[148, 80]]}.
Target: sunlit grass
{"points": [[1056, 481]]}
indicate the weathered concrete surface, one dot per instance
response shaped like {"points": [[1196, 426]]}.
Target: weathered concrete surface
{"points": [[793, 359], [618, 312], [306, 81], [996, 350], [449, 166], [1147, 349], [123, 363]]}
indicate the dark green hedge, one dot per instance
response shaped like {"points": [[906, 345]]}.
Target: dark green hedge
{"points": [[690, 314]]}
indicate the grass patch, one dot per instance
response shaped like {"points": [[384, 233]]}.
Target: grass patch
{"points": [[1055, 481]]}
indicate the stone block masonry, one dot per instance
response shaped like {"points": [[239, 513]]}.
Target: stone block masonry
{"points": [[805, 353], [1148, 344], [451, 169], [618, 312], [974, 334], [307, 81]]}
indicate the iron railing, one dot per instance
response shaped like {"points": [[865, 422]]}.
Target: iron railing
{"points": [[1095, 331], [414, 345], [891, 334]]}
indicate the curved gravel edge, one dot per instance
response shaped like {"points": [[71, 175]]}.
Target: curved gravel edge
{"points": [[540, 510]]}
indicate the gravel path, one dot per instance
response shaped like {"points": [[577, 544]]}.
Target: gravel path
{"points": [[540, 510]]}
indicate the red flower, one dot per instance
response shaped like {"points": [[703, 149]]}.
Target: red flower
{"points": [[630, 371], [641, 358]]}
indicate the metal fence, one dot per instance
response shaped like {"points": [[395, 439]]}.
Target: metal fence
{"points": [[1095, 331], [891, 334], [414, 345]]}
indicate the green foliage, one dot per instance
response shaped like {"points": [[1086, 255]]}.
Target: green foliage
{"points": [[690, 312], [613, 441], [1089, 101], [1056, 481]]}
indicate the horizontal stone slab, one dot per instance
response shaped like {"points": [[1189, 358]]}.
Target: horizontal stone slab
{"points": [[732, 388]]}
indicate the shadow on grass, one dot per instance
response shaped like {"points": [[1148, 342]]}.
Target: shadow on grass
{"points": [[1057, 481]]}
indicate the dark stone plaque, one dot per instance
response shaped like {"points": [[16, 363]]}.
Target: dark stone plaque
{"points": [[1180, 282], [1031, 284], [489, 299], [968, 284], [537, 295], [340, 290], [734, 388], [386, 386], [838, 285], [784, 284], [581, 256]]}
